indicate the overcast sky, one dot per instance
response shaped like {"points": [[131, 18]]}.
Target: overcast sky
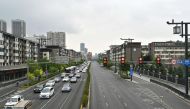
{"points": [[98, 23]]}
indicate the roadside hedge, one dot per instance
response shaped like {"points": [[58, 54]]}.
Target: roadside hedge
{"points": [[84, 101]]}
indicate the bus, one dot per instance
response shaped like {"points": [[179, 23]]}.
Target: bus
{"points": [[70, 69]]}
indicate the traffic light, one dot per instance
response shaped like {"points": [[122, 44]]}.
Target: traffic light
{"points": [[105, 60], [140, 60], [158, 60], [122, 60]]}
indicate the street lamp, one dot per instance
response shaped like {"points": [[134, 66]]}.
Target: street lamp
{"points": [[176, 29], [179, 30]]}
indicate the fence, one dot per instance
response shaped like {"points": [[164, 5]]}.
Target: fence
{"points": [[168, 78]]}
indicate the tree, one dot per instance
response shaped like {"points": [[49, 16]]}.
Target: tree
{"points": [[30, 76]]}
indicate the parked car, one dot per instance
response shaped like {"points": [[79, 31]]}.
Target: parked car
{"points": [[57, 79], [71, 75], [65, 79], [66, 87], [47, 92], [73, 80], [78, 75], [38, 88]]}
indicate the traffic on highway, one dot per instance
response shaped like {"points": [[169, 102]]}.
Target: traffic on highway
{"points": [[60, 92]]}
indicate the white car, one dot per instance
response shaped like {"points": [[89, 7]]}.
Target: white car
{"points": [[78, 75], [65, 79], [63, 75], [47, 92], [73, 80], [13, 101], [66, 87], [50, 83]]}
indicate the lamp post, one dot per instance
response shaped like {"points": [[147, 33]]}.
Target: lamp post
{"points": [[179, 30], [114, 50]]}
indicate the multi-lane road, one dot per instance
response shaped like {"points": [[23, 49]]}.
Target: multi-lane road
{"points": [[109, 91], [59, 100]]}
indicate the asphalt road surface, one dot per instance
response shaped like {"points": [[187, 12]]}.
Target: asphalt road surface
{"points": [[59, 100], [109, 91]]}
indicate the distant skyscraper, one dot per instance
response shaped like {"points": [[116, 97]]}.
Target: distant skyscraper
{"points": [[86, 50], [19, 28], [3, 26], [82, 47], [56, 38]]}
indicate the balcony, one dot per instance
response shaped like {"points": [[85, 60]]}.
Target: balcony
{"points": [[1, 53], [16, 60], [1, 60], [1, 46], [16, 54]]}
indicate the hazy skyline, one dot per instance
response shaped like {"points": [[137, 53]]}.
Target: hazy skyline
{"points": [[98, 23]]}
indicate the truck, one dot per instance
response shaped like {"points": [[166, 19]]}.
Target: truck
{"points": [[17, 102]]}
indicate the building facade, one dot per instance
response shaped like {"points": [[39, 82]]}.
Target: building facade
{"points": [[167, 50], [16, 50], [19, 28], [131, 52], [82, 47], [3, 26], [56, 39], [144, 50]]}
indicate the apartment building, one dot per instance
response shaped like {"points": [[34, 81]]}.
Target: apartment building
{"points": [[167, 50], [19, 28], [3, 26], [16, 50], [56, 39], [131, 52], [144, 50]]}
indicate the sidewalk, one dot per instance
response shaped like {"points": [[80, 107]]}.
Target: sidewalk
{"points": [[179, 89]]}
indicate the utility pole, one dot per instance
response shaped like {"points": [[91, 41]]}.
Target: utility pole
{"points": [[179, 30]]}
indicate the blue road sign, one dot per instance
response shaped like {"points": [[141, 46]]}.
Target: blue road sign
{"points": [[184, 62], [179, 61]]}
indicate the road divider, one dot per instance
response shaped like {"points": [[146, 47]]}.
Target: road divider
{"points": [[86, 91]]}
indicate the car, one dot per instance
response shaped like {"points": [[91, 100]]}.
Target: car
{"points": [[15, 99], [57, 79], [47, 92], [65, 79], [38, 88], [73, 80], [71, 75], [78, 75], [66, 87], [50, 83], [63, 75]]}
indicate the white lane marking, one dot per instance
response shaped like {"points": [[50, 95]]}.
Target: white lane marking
{"points": [[119, 96], [107, 104], [104, 96], [64, 101], [125, 104]]}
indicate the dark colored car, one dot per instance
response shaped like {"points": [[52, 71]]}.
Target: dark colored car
{"points": [[38, 88]]}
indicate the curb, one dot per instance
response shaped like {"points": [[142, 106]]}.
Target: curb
{"points": [[182, 94]]}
